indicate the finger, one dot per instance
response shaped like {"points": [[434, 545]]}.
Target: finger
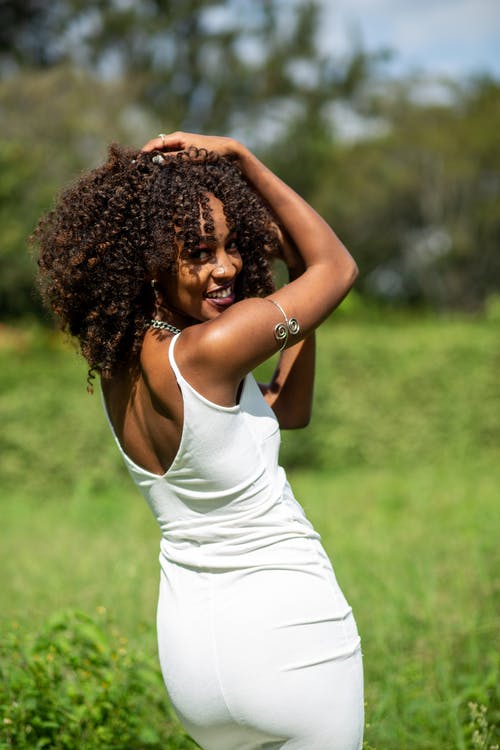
{"points": [[165, 142], [154, 144]]}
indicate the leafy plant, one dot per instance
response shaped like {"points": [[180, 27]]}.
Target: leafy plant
{"points": [[78, 684], [482, 731]]}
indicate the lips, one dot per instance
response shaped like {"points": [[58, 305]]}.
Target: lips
{"points": [[222, 296]]}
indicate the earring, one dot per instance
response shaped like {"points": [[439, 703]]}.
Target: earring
{"points": [[156, 294]]}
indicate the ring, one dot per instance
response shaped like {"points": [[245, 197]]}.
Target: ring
{"points": [[162, 136]]}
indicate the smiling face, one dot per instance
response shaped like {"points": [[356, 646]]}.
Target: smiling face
{"points": [[204, 285]]}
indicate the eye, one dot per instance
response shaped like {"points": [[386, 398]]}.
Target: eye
{"points": [[232, 245], [199, 254]]}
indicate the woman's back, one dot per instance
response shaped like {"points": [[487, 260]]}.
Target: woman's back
{"points": [[224, 476]]}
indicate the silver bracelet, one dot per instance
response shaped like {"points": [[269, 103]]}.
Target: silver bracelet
{"points": [[281, 330]]}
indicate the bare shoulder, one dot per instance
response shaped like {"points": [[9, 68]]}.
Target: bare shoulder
{"points": [[192, 353]]}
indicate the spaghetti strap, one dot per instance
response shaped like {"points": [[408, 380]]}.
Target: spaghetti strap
{"points": [[186, 386], [171, 358]]}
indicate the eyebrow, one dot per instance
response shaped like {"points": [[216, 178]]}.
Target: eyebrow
{"points": [[207, 238]]}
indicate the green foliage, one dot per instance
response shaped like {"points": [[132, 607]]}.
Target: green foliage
{"points": [[72, 117], [415, 549], [201, 67], [397, 389], [419, 202], [78, 684], [16, 267], [482, 733], [493, 308]]}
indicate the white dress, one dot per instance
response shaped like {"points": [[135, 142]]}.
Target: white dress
{"points": [[258, 647]]}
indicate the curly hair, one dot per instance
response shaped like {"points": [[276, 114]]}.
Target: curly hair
{"points": [[119, 225]]}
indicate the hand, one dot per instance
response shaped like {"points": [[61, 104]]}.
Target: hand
{"points": [[178, 141]]}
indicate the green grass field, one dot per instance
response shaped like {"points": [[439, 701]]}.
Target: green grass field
{"points": [[399, 471]]}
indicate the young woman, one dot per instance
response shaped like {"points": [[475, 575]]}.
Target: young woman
{"points": [[159, 263]]}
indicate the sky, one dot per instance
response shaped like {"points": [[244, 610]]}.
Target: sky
{"points": [[449, 37]]}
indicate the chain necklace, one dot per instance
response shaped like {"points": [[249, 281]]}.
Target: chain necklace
{"points": [[161, 325]]}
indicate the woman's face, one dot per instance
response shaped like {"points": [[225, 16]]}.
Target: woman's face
{"points": [[204, 285]]}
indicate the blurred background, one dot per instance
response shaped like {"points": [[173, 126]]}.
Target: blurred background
{"points": [[386, 117]]}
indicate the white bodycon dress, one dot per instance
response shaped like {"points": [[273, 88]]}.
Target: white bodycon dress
{"points": [[258, 647]]}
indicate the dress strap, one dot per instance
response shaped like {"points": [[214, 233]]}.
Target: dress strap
{"points": [[171, 358], [186, 387]]}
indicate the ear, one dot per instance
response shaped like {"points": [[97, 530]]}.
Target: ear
{"points": [[158, 295]]}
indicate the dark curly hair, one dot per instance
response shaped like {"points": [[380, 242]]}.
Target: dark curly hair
{"points": [[116, 228]]}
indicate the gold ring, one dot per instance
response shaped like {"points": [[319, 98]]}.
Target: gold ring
{"points": [[162, 136]]}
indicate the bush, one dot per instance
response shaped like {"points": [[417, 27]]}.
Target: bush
{"points": [[78, 685]]}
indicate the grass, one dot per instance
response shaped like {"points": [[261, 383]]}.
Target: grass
{"points": [[399, 472]]}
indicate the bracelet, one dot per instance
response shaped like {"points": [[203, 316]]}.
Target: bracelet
{"points": [[281, 330]]}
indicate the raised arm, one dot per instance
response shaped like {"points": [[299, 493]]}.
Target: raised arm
{"points": [[243, 336], [290, 391]]}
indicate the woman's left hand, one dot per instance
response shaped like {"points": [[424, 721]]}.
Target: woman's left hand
{"points": [[179, 141]]}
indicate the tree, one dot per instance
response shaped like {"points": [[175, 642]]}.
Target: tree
{"points": [[199, 64], [54, 124], [420, 202]]}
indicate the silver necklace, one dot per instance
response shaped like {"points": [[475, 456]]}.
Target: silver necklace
{"points": [[161, 325]]}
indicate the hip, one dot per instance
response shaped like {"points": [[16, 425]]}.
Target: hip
{"points": [[287, 589]]}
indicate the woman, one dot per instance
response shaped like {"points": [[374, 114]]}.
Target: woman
{"points": [[159, 263]]}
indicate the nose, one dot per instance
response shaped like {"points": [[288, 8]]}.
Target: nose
{"points": [[226, 266]]}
